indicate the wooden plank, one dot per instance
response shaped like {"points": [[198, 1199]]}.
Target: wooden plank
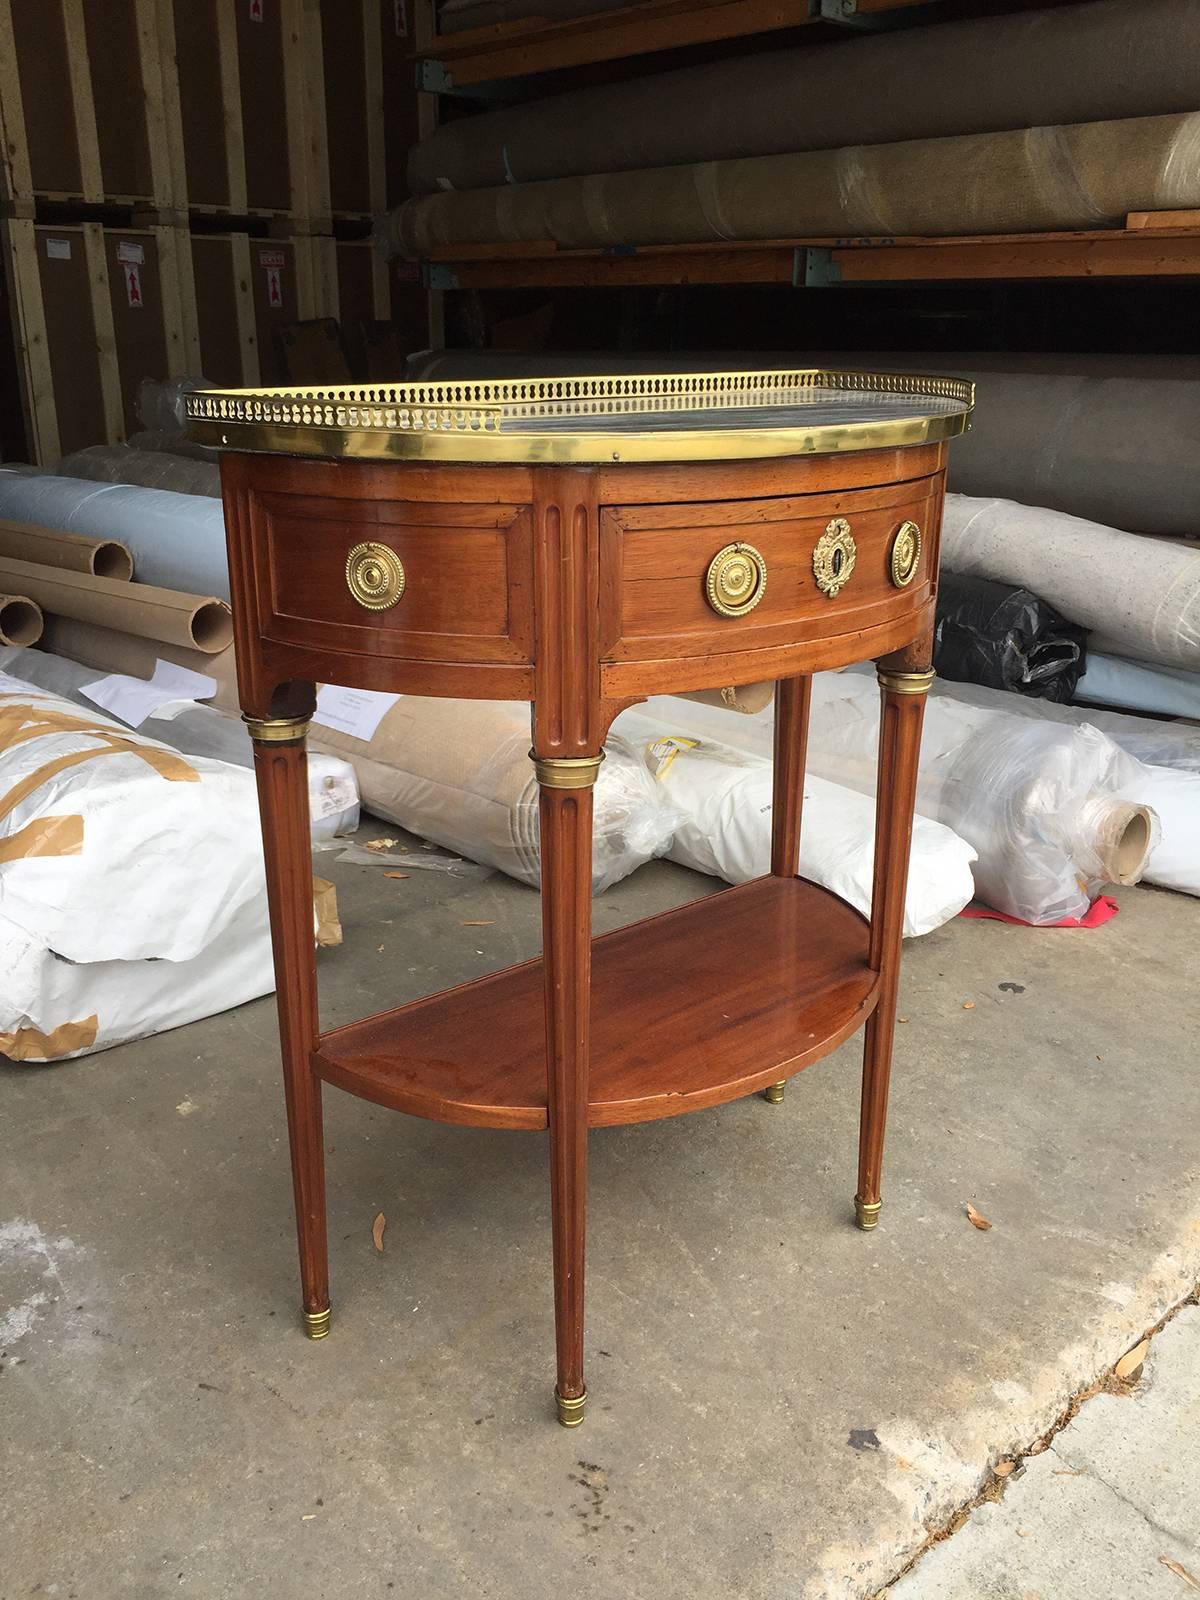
{"points": [[106, 337], [64, 270], [164, 120], [139, 314], [178, 287], [373, 90], [16, 181], [1148, 253], [1162, 219], [247, 331], [511, 49], [231, 108], [31, 340], [304, 97], [80, 80]]}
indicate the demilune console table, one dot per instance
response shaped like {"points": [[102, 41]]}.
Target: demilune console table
{"points": [[582, 543]]}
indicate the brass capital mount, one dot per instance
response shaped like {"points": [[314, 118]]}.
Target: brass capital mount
{"points": [[277, 730], [905, 682], [566, 772]]}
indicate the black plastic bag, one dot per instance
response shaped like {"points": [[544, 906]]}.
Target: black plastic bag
{"points": [[1006, 638]]}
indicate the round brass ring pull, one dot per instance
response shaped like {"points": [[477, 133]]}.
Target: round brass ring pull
{"points": [[906, 554], [736, 580], [375, 576]]}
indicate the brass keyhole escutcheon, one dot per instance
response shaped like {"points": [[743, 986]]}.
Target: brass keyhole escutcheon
{"points": [[833, 558], [375, 576], [906, 554], [736, 580]]}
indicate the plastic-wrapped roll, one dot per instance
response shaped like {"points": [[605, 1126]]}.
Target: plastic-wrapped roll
{"points": [[1078, 64], [1052, 812], [458, 773], [150, 469], [1086, 175], [723, 799], [1005, 638], [1143, 595], [177, 540]]}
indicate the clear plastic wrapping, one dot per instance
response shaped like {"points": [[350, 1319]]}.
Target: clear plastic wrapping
{"points": [[148, 469], [458, 772]]}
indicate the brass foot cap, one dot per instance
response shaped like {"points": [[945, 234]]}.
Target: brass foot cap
{"points": [[316, 1323], [866, 1213], [773, 1093], [570, 1412]]}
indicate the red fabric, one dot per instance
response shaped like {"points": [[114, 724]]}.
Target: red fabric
{"points": [[1101, 910]]}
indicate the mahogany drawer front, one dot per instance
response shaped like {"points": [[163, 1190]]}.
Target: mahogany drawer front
{"points": [[655, 565], [467, 578]]}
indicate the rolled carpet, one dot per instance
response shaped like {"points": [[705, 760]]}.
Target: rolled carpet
{"points": [[1086, 175], [1117, 58], [1143, 595]]}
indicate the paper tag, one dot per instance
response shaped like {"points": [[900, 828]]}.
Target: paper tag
{"points": [[58, 249], [663, 751], [256, 10], [357, 712], [400, 13], [132, 700], [130, 250], [272, 258], [133, 283]]}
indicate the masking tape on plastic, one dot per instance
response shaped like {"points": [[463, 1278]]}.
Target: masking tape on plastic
{"points": [[21, 722], [329, 927], [44, 836], [31, 1044]]}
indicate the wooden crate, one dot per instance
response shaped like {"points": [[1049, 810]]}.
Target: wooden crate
{"points": [[247, 291], [96, 310], [86, 105]]}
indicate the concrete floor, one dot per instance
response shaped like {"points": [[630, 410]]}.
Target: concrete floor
{"points": [[782, 1406], [1111, 1507]]}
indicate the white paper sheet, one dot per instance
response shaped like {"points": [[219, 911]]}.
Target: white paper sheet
{"points": [[132, 700], [357, 712], [10, 685]]}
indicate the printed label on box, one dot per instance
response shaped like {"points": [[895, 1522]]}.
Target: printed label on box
{"points": [[256, 10], [130, 250], [274, 287], [133, 283], [58, 249], [400, 12]]}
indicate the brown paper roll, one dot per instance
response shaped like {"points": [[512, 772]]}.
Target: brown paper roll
{"points": [[111, 651], [21, 620], [195, 621], [28, 541], [746, 698]]}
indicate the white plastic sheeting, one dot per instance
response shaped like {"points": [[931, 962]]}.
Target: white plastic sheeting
{"points": [[132, 893], [1052, 811], [1142, 595], [200, 730], [723, 798], [177, 540]]}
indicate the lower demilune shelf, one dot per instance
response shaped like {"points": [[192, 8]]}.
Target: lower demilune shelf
{"points": [[691, 1008]]}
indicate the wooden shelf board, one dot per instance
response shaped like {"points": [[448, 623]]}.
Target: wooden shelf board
{"points": [[700, 1005], [1140, 251], [538, 44]]}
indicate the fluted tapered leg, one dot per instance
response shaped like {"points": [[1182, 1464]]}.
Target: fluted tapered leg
{"points": [[280, 767], [566, 852], [901, 714]]}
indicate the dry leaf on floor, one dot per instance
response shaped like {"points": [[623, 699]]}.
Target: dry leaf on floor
{"points": [[976, 1219], [377, 1228], [1132, 1360], [968, 1005], [381, 844], [491, 924], [397, 874], [1180, 1571], [1003, 1468]]}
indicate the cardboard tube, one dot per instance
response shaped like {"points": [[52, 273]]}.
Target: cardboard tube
{"points": [[195, 621], [29, 541], [20, 620], [111, 651]]}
